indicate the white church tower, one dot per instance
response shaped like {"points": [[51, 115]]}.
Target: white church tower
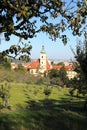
{"points": [[42, 60]]}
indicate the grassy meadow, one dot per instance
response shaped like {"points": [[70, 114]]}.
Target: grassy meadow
{"points": [[21, 94], [31, 109]]}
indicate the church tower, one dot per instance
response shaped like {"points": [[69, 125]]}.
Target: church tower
{"points": [[42, 60]]}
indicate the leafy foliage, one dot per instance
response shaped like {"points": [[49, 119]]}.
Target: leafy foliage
{"points": [[56, 81], [20, 51], [4, 62], [58, 77], [47, 91], [5, 93], [20, 68], [21, 17], [53, 73], [63, 75], [80, 83], [61, 63]]}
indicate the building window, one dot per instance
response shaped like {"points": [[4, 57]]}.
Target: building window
{"points": [[42, 56]]}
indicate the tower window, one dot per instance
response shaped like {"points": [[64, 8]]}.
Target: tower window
{"points": [[42, 56]]}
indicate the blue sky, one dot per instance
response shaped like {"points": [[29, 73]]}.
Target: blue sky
{"points": [[54, 50]]}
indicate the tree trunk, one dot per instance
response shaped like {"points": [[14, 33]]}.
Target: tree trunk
{"points": [[5, 102]]}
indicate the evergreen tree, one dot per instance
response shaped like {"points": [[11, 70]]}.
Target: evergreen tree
{"points": [[79, 83]]}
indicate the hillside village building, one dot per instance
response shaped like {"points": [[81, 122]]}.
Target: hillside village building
{"points": [[43, 65], [39, 66]]}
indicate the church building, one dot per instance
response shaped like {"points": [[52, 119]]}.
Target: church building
{"points": [[42, 66], [39, 66]]}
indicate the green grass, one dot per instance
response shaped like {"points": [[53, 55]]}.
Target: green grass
{"points": [[43, 119], [17, 96], [21, 93], [32, 110]]}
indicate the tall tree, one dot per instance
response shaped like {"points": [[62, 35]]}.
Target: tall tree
{"points": [[80, 82], [63, 75], [58, 77], [53, 73]]}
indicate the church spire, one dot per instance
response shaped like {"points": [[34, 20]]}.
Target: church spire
{"points": [[42, 60], [43, 50]]}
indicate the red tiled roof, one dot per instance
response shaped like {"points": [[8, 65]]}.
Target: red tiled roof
{"points": [[32, 65], [56, 67], [35, 65], [47, 66], [59, 67], [69, 67]]}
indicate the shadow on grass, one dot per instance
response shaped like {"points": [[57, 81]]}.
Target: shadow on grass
{"points": [[46, 115], [63, 103]]}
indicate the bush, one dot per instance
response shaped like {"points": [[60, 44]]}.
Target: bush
{"points": [[47, 91]]}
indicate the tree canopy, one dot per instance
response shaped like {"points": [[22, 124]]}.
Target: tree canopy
{"points": [[25, 18], [58, 77]]}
